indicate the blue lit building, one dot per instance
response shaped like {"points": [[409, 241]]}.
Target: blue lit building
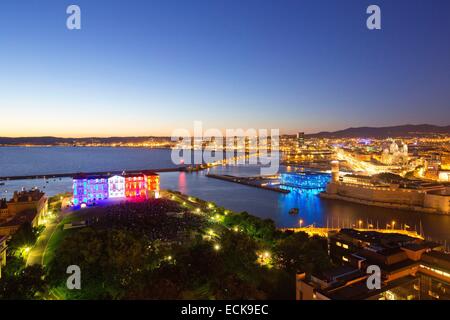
{"points": [[307, 180], [89, 189]]}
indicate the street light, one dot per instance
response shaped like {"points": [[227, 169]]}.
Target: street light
{"points": [[393, 224], [300, 222], [360, 223]]}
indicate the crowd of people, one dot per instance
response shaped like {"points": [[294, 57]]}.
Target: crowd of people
{"points": [[157, 219]]}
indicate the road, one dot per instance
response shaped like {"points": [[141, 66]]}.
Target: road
{"points": [[355, 164], [36, 254]]}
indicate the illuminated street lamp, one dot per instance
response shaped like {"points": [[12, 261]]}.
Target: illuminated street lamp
{"points": [[393, 224], [217, 247], [360, 223], [300, 222]]}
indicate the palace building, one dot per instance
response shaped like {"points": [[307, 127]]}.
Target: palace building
{"points": [[87, 190]]}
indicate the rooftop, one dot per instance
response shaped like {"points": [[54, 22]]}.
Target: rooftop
{"points": [[20, 218], [360, 291], [27, 196], [82, 176], [375, 237]]}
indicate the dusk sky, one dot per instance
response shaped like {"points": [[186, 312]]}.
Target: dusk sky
{"points": [[146, 67]]}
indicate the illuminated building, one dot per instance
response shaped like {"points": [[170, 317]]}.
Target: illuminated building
{"points": [[395, 154], [135, 186], [116, 187], [335, 171], [87, 190], [152, 185], [410, 269], [310, 180], [143, 185], [444, 176]]}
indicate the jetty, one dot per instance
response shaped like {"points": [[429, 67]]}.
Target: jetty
{"points": [[248, 181], [99, 173]]}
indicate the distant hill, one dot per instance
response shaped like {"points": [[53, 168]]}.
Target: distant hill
{"points": [[407, 130], [43, 141]]}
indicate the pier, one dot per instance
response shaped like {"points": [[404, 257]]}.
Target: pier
{"points": [[73, 174], [248, 181]]}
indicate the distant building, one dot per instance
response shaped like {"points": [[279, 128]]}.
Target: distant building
{"points": [[444, 176], [395, 154], [411, 269], [4, 213], [300, 139], [28, 200], [24, 207], [411, 195], [87, 190], [2, 253], [335, 171]]}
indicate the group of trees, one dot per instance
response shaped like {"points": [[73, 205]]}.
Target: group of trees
{"points": [[119, 263], [18, 280]]}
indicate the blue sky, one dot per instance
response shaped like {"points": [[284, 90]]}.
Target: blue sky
{"points": [[143, 67]]}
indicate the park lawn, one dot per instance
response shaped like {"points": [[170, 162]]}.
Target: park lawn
{"points": [[59, 234]]}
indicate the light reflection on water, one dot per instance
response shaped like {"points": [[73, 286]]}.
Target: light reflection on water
{"points": [[312, 209], [269, 204]]}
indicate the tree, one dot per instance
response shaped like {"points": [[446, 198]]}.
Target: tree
{"points": [[25, 236], [25, 286], [299, 253]]}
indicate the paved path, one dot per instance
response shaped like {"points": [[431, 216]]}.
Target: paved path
{"points": [[36, 254]]}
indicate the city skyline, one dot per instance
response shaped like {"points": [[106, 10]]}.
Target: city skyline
{"points": [[149, 68]]}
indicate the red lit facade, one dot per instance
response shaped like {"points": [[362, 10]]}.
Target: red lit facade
{"points": [[135, 186], [142, 185]]}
